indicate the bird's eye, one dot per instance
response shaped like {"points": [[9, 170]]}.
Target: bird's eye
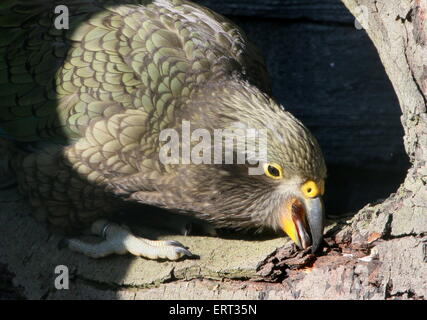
{"points": [[273, 170]]}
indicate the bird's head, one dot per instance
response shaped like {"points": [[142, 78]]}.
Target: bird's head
{"points": [[281, 189]]}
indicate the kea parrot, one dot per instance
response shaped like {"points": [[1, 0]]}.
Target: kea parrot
{"points": [[87, 91]]}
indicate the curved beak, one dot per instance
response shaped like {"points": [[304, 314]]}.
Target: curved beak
{"points": [[303, 222], [315, 217]]}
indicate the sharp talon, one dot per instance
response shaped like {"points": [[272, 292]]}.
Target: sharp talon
{"points": [[174, 243], [193, 256], [182, 253], [185, 252], [189, 254]]}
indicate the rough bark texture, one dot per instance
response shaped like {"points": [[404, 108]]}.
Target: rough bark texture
{"points": [[381, 253]]}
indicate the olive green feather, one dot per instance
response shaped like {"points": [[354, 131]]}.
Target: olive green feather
{"points": [[92, 101]]}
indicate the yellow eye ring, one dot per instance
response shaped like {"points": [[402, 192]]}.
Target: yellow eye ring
{"points": [[273, 170], [311, 189]]}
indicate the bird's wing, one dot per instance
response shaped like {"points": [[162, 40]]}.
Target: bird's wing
{"points": [[147, 55]]}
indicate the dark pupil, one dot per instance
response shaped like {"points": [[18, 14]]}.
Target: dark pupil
{"points": [[273, 171]]}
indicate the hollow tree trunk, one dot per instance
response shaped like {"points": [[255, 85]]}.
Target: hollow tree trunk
{"points": [[380, 253]]}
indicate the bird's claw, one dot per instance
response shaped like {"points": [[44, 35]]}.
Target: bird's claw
{"points": [[120, 240]]}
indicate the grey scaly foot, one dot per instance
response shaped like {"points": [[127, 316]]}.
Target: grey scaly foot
{"points": [[119, 240]]}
